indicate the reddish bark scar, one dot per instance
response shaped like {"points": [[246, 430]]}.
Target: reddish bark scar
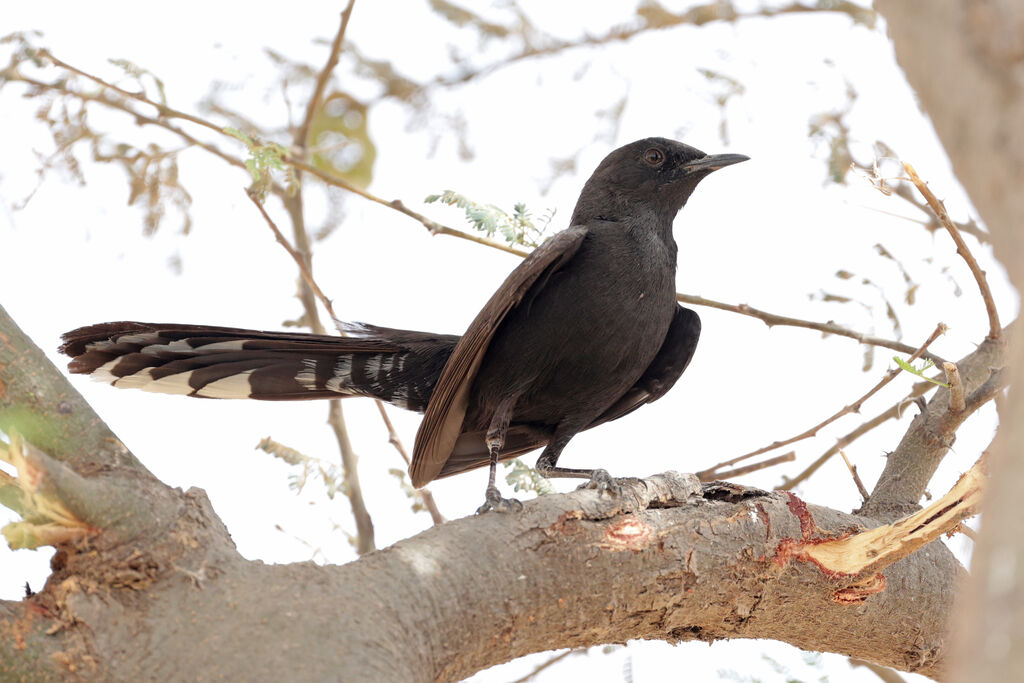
{"points": [[627, 534], [792, 549], [859, 592], [763, 515], [800, 511]]}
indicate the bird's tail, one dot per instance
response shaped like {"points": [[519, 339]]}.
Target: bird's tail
{"points": [[396, 366]]}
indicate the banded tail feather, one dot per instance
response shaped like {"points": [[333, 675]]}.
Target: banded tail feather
{"points": [[396, 366]]}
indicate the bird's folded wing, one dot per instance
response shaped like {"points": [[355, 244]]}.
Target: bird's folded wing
{"points": [[442, 422], [667, 367]]}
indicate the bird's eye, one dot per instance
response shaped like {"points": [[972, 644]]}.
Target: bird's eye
{"points": [[654, 156]]}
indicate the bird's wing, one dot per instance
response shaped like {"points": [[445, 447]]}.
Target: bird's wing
{"points": [[673, 357], [442, 422]]}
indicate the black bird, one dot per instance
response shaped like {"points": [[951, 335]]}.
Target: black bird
{"points": [[584, 331]]}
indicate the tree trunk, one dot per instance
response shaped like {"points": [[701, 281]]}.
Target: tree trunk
{"points": [[966, 62]]}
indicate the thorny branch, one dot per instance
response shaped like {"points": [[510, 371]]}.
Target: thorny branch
{"points": [[747, 469], [893, 412], [856, 477], [845, 410], [323, 77], [830, 327], [994, 328]]}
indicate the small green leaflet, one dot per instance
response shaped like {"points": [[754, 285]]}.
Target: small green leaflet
{"points": [[920, 373]]}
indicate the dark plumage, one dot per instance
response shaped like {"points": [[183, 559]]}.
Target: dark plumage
{"points": [[585, 330]]}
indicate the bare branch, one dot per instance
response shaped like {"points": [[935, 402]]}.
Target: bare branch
{"points": [[162, 109], [956, 387], [845, 410], [424, 493], [655, 17], [307, 277], [994, 327], [434, 227], [323, 77], [894, 411], [856, 477], [771, 319], [740, 471]]}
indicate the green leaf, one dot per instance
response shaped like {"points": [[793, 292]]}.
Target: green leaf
{"points": [[904, 365]]}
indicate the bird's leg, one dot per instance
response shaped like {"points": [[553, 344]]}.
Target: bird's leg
{"points": [[495, 439], [546, 465]]}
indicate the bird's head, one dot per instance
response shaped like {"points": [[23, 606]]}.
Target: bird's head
{"points": [[653, 175]]}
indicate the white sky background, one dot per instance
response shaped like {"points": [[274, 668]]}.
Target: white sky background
{"points": [[768, 232]]}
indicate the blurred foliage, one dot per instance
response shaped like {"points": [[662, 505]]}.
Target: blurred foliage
{"points": [[411, 492], [522, 477], [340, 139], [264, 158], [517, 227], [331, 476]]}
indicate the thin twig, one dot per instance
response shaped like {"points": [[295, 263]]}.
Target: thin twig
{"points": [[547, 45], [856, 477], [163, 109], [956, 387], [747, 469], [894, 411], [851, 408], [307, 276], [771, 319], [425, 495], [995, 330], [353, 490], [324, 77], [434, 227], [123, 107]]}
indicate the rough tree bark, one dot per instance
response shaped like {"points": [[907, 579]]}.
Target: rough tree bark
{"points": [[158, 588], [966, 62]]}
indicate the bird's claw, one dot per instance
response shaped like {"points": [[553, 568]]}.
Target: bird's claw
{"points": [[494, 502], [602, 481]]}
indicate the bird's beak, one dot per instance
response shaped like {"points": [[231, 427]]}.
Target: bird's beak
{"points": [[713, 162]]}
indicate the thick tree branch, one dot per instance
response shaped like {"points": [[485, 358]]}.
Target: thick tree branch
{"points": [[977, 46], [38, 402], [676, 563], [911, 466]]}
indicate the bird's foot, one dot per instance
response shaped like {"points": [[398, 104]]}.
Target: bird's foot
{"points": [[495, 502], [602, 481]]}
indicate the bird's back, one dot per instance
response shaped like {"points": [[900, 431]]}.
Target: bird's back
{"points": [[588, 334]]}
